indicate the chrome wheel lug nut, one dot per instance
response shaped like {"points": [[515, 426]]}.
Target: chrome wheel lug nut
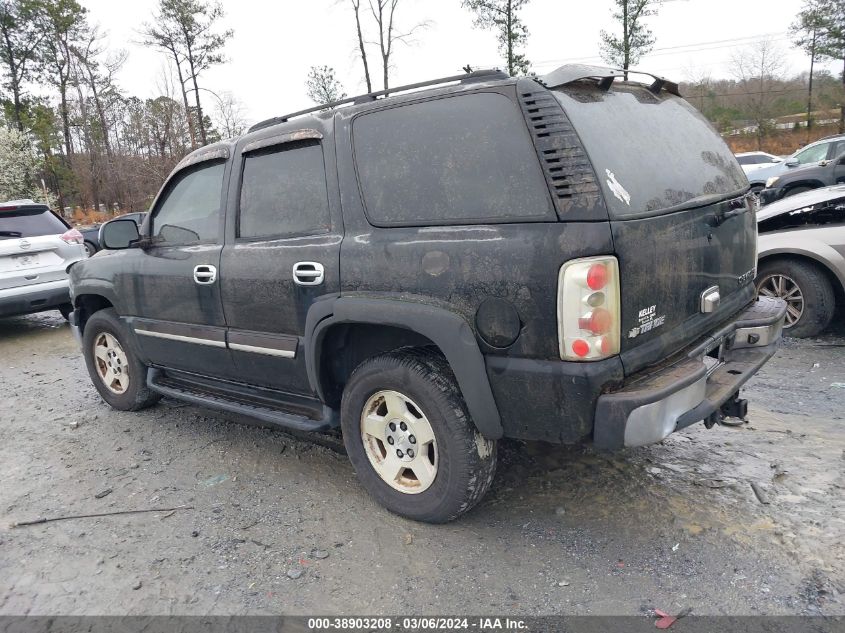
{"points": [[412, 439], [399, 453], [410, 453], [390, 440], [403, 426]]}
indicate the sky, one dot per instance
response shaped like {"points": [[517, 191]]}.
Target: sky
{"points": [[275, 43]]}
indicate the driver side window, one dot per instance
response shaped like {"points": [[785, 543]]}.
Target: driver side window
{"points": [[812, 154], [190, 210]]}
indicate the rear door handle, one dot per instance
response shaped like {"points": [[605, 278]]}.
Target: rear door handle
{"points": [[308, 273], [205, 274]]}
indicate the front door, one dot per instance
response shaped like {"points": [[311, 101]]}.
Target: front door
{"points": [[281, 254], [172, 287]]}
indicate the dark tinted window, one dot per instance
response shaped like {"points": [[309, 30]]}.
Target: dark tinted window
{"points": [[29, 223], [190, 211], [748, 160], [284, 192], [651, 153], [449, 161]]}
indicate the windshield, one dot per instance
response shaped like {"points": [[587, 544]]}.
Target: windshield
{"points": [[29, 223], [652, 154]]}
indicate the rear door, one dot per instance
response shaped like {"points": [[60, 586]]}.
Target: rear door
{"points": [[681, 223], [281, 254], [31, 247], [170, 287]]}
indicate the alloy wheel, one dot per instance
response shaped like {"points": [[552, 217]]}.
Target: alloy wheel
{"points": [[111, 363], [783, 287], [399, 442]]}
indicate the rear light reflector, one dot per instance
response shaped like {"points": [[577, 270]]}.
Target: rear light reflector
{"points": [[588, 314], [73, 237]]}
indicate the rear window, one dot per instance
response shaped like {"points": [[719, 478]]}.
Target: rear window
{"points": [[457, 160], [29, 223], [652, 154]]}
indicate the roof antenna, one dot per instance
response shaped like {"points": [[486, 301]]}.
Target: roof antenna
{"points": [[467, 69]]}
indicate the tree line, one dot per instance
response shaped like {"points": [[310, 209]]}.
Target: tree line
{"points": [[89, 144]]}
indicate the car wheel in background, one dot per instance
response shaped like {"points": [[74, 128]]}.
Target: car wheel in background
{"points": [[90, 249], [117, 374], [807, 291], [796, 190], [410, 438], [66, 309]]}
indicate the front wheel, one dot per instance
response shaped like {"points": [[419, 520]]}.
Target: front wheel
{"points": [[410, 438], [117, 374]]}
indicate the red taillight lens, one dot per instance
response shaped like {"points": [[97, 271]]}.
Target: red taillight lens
{"points": [[73, 237], [580, 348], [597, 276], [588, 310]]}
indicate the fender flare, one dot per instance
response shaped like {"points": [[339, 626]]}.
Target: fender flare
{"points": [[444, 328]]}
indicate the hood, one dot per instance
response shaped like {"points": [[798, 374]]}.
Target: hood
{"points": [[799, 201]]}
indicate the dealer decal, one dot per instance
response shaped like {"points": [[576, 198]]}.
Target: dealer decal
{"points": [[648, 321]]}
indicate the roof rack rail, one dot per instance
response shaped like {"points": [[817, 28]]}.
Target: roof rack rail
{"points": [[605, 76], [466, 77]]}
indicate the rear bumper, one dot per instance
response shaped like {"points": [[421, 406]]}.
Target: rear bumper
{"points": [[33, 298], [652, 405]]}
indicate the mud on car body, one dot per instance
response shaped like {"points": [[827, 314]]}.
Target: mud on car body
{"points": [[558, 259]]}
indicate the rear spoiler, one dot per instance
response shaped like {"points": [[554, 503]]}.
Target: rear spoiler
{"points": [[605, 76]]}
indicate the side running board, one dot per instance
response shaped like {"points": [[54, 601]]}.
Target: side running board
{"points": [[160, 382]]}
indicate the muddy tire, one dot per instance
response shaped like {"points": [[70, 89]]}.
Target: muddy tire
{"points": [[807, 291], [410, 438], [117, 374]]}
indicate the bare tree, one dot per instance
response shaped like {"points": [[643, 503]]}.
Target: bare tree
{"points": [[636, 39], [356, 6], [384, 13], [758, 68], [805, 32], [229, 116], [502, 16]]}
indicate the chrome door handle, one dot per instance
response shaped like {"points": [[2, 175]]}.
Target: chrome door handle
{"points": [[308, 273], [205, 274]]}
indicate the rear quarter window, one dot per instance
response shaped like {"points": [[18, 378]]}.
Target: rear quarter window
{"points": [[458, 160], [29, 223]]}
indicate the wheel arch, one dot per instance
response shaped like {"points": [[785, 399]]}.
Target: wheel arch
{"points": [[365, 327], [86, 304]]}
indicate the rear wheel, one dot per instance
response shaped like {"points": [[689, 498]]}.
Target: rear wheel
{"points": [[806, 290], [117, 374], [796, 190], [90, 249], [410, 438]]}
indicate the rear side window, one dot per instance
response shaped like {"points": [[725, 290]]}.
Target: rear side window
{"points": [[190, 211], [29, 223], [457, 160], [284, 192]]}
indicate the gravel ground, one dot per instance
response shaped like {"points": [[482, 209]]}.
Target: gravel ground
{"points": [[278, 524]]}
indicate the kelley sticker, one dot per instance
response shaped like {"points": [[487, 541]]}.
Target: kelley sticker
{"points": [[647, 321]]}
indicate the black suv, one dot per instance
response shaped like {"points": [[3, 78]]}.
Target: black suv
{"points": [[559, 258]]}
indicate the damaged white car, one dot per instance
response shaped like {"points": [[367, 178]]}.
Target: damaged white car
{"points": [[801, 257]]}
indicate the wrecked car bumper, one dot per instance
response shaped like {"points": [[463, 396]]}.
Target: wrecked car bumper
{"points": [[652, 405]]}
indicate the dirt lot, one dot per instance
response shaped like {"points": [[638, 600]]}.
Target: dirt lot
{"points": [[564, 530]]}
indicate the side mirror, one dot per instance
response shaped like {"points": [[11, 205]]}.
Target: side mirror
{"points": [[119, 234], [791, 162]]}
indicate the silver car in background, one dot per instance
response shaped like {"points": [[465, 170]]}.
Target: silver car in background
{"points": [[36, 248], [801, 257]]}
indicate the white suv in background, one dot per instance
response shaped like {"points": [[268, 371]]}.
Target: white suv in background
{"points": [[36, 248]]}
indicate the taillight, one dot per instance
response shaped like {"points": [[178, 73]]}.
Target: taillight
{"points": [[73, 237], [588, 317]]}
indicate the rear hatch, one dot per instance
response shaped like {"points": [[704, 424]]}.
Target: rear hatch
{"points": [[31, 248], [680, 219]]}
